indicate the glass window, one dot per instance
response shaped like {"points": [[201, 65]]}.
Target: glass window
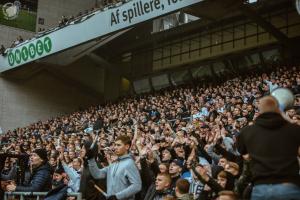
{"points": [[141, 86], [271, 55], [180, 77], [201, 71], [219, 67], [242, 62], [253, 59], [160, 81]]}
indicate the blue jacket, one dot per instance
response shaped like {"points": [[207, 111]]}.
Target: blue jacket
{"points": [[40, 180], [74, 182], [123, 177]]}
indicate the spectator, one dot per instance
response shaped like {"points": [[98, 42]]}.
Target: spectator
{"points": [[58, 177], [272, 144], [41, 177], [72, 172], [227, 195], [2, 50], [162, 131], [123, 178], [182, 190], [161, 189], [175, 170]]}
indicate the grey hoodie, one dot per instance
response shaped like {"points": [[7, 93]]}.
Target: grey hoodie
{"points": [[123, 177]]}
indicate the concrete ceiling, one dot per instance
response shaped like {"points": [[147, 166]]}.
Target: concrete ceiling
{"points": [[212, 13]]}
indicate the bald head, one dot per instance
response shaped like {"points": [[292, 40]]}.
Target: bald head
{"points": [[268, 104]]}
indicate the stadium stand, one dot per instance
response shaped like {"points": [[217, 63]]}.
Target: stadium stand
{"points": [[210, 132], [178, 126]]}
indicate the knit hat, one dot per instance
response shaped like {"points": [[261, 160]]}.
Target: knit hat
{"points": [[42, 153]]}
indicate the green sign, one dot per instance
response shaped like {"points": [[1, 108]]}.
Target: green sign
{"points": [[30, 51]]}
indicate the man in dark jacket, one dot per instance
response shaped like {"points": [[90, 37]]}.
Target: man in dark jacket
{"points": [[175, 170], [161, 188], [40, 180], [272, 144]]}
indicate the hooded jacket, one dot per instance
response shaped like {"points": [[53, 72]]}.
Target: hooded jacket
{"points": [[123, 177], [272, 143]]}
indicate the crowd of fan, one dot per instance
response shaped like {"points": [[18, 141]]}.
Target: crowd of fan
{"points": [[183, 139]]}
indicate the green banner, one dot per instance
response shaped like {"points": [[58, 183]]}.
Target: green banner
{"points": [[33, 49]]}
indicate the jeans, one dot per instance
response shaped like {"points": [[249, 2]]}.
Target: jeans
{"points": [[282, 191]]}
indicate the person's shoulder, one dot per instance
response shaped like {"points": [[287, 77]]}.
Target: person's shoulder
{"points": [[293, 128], [43, 171], [247, 129], [44, 167], [293, 125], [128, 162]]}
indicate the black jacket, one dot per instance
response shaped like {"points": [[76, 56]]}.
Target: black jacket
{"points": [[89, 192], [40, 180], [272, 143], [153, 194]]}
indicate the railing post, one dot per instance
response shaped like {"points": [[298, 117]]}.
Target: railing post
{"points": [[79, 195]]}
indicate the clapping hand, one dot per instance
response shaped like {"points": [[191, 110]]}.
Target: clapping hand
{"points": [[11, 187]]}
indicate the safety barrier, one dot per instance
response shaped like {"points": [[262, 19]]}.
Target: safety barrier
{"points": [[34, 195]]}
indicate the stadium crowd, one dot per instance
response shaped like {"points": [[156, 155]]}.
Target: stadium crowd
{"points": [[183, 141]]}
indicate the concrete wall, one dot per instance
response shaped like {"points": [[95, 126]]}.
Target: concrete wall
{"points": [[52, 11], [28, 94], [10, 34], [38, 98], [86, 72], [99, 78], [112, 85], [37, 91]]}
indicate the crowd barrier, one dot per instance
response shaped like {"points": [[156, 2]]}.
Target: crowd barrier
{"points": [[34, 195]]}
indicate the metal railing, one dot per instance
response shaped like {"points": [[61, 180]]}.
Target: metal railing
{"points": [[36, 195]]}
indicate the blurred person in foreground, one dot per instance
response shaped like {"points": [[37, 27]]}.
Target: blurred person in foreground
{"points": [[273, 146]]}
